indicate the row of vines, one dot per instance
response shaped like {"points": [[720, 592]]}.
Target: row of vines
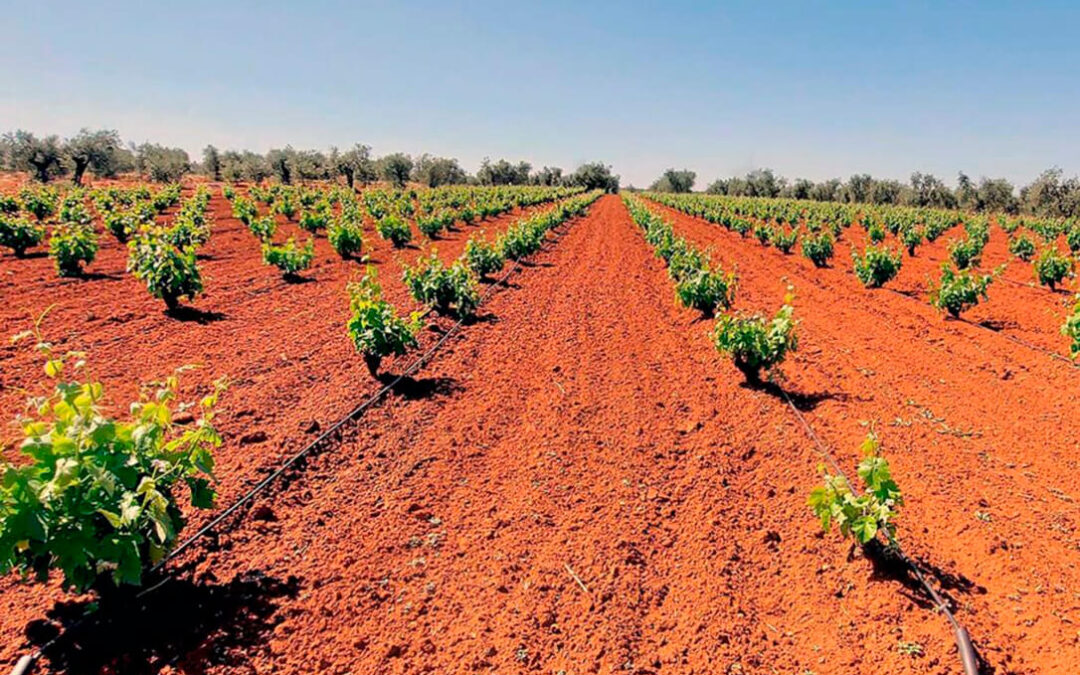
{"points": [[757, 344], [98, 498], [1050, 247]]}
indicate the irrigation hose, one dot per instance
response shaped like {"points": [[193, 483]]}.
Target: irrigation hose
{"points": [[963, 640], [26, 662], [1012, 338]]}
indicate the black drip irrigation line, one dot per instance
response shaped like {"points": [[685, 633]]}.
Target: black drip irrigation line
{"points": [[26, 663], [968, 657], [964, 646], [1012, 338]]}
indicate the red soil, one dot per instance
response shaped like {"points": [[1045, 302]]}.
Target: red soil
{"points": [[283, 347], [981, 431], [581, 484]]}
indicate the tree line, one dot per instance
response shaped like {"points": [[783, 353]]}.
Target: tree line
{"points": [[1050, 195], [103, 154]]}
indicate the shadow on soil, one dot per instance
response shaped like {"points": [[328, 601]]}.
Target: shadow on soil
{"points": [[412, 389], [998, 325], [887, 566], [489, 317], [296, 279], [99, 276], [207, 624], [195, 315], [803, 402], [890, 567]]}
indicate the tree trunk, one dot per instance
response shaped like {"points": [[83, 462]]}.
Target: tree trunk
{"points": [[80, 169], [41, 172], [372, 361]]}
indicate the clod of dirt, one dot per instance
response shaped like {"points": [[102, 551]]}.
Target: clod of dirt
{"points": [[253, 437], [264, 513]]}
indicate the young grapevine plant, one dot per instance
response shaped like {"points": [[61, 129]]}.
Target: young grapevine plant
{"points": [[313, 220], [1022, 247], [449, 290], [756, 343], [877, 266], [1072, 237], [346, 237], [430, 226], [860, 516], [264, 228], [959, 291], [375, 327], [1052, 267], [244, 210], [170, 273], [911, 238], [784, 240], [1071, 329], [9, 205], [19, 234], [288, 257], [71, 246], [40, 203], [818, 248], [483, 258], [706, 289], [395, 229], [98, 498]]}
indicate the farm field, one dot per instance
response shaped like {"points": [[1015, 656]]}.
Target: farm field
{"points": [[575, 480]]}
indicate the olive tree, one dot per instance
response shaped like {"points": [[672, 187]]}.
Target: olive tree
{"points": [[435, 171], [95, 150], [211, 164], [282, 163], [673, 180], [826, 190], [355, 164], [161, 164], [929, 190], [798, 189], [1052, 196], [503, 172], [42, 158], [312, 165], [396, 169], [996, 194], [595, 176], [549, 175]]}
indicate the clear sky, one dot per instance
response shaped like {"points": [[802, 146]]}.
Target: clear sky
{"points": [[814, 89]]}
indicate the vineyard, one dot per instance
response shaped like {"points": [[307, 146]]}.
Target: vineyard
{"points": [[320, 427]]}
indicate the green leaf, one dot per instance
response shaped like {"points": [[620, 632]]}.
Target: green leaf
{"points": [[865, 529], [53, 367], [113, 519]]}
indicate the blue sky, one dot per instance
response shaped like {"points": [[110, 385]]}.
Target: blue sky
{"points": [[815, 89]]}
